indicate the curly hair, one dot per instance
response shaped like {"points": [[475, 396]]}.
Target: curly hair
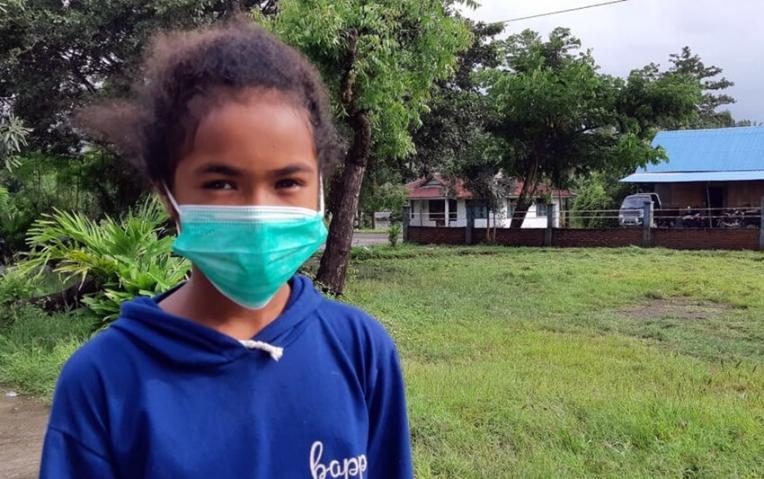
{"points": [[186, 73]]}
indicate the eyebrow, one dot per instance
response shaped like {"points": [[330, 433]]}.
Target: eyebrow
{"points": [[219, 168], [228, 170], [292, 169]]}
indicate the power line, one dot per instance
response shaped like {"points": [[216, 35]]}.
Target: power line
{"points": [[558, 12]]}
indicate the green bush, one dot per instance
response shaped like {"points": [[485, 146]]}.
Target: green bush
{"points": [[13, 225], [126, 258], [15, 286], [40, 183], [591, 199], [393, 234]]}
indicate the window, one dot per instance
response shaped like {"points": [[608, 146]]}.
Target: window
{"points": [[452, 210], [437, 209], [478, 209], [411, 209], [541, 210]]}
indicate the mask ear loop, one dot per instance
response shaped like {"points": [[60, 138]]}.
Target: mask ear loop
{"points": [[171, 198], [172, 202], [321, 195]]}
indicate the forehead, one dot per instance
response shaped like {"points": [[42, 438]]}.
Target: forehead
{"points": [[253, 131]]}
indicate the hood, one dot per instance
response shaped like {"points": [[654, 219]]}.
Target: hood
{"points": [[176, 340]]}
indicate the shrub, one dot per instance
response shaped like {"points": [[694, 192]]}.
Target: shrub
{"points": [[591, 200], [393, 234], [14, 286], [125, 258]]}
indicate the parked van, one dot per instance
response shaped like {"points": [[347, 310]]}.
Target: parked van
{"points": [[632, 210]]}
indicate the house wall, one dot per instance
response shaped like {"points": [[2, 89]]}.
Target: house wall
{"points": [[420, 213], [533, 220], [502, 219], [745, 193], [682, 195]]}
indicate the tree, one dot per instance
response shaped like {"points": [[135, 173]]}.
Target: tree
{"points": [[456, 121], [559, 118], [56, 56], [387, 197], [687, 63], [379, 60]]}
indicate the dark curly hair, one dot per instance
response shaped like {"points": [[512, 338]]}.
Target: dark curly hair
{"points": [[186, 73]]}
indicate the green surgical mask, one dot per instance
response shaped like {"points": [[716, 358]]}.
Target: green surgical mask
{"points": [[248, 252]]}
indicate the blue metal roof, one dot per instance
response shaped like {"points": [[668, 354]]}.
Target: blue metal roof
{"points": [[701, 176], [726, 154]]}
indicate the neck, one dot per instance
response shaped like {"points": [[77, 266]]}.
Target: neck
{"points": [[199, 301]]}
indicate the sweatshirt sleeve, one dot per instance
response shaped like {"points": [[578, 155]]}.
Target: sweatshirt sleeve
{"points": [[76, 440], [389, 448], [65, 457]]}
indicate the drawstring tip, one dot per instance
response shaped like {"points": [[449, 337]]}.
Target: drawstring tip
{"points": [[275, 351]]}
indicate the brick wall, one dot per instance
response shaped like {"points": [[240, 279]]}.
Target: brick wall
{"points": [[597, 238], [728, 239], [514, 237], [709, 239], [428, 235]]}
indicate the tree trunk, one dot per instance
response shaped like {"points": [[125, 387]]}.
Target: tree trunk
{"points": [[334, 262], [530, 184], [495, 226], [521, 209], [487, 225], [346, 189]]}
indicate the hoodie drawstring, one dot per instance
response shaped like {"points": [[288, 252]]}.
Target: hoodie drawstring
{"points": [[275, 351]]}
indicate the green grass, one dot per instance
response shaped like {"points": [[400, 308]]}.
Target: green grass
{"points": [[532, 363], [35, 345], [575, 363]]}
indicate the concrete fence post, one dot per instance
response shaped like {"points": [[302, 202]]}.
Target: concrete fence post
{"points": [[761, 226], [406, 221], [550, 216], [647, 224], [470, 226]]}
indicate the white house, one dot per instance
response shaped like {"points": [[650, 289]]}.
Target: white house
{"points": [[433, 202]]}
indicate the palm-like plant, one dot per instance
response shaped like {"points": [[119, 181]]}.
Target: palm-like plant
{"points": [[12, 138], [126, 258]]}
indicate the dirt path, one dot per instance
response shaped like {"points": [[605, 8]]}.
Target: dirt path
{"points": [[22, 425]]}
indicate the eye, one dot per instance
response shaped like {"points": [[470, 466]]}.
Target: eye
{"points": [[219, 185], [287, 184]]}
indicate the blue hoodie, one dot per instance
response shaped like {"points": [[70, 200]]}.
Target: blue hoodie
{"points": [[159, 396]]}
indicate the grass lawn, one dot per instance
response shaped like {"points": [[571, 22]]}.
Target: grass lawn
{"points": [[576, 363], [534, 363]]}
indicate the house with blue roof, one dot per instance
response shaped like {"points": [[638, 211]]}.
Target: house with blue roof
{"points": [[722, 168]]}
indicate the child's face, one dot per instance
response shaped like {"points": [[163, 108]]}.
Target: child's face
{"points": [[257, 150]]}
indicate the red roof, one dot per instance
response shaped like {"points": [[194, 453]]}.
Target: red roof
{"points": [[436, 187]]}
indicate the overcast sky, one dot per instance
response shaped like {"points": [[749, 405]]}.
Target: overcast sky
{"points": [[726, 33]]}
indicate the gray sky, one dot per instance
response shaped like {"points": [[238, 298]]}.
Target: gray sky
{"points": [[725, 33]]}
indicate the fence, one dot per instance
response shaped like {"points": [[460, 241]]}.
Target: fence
{"points": [[708, 228]]}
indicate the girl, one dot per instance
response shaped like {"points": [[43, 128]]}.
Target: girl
{"points": [[245, 370]]}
